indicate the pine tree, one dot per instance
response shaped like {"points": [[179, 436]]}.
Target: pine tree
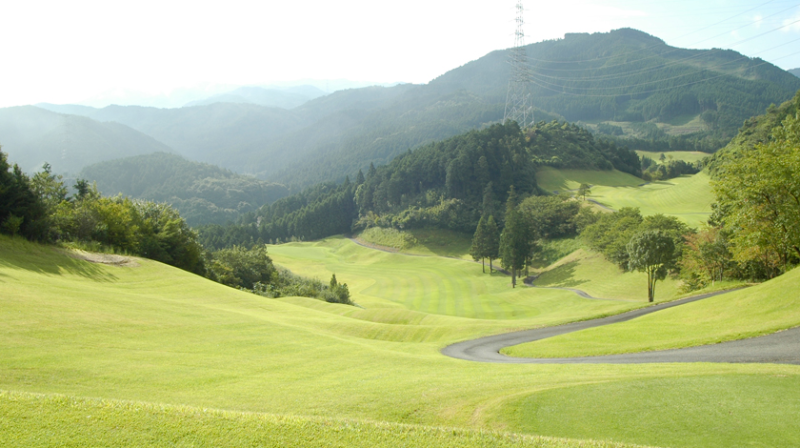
{"points": [[492, 241], [479, 247], [360, 177], [515, 241]]}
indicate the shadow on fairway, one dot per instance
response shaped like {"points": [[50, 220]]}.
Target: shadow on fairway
{"points": [[54, 262], [562, 276]]}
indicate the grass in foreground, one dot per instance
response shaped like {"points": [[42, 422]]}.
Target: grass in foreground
{"points": [[30, 420], [758, 310], [156, 334]]}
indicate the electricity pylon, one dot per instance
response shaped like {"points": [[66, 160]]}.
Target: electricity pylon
{"points": [[518, 107]]}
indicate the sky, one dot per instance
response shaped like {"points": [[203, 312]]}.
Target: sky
{"points": [[70, 52]]}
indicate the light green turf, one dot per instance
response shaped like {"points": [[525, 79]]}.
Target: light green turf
{"points": [[432, 287], [686, 156], [444, 243], [688, 198], [589, 271], [761, 309], [628, 410], [31, 420], [159, 335], [554, 180]]}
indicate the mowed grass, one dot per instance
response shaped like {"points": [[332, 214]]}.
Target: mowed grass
{"points": [[425, 289], [554, 180], [440, 242], [155, 334], [688, 198], [754, 311], [31, 420], [589, 271]]}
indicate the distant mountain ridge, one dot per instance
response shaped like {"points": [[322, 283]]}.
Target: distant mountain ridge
{"points": [[623, 76], [795, 71], [32, 136], [202, 193], [287, 98]]}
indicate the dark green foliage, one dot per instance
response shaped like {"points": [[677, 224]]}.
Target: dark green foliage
{"points": [[204, 194], [668, 169], [242, 268], [517, 239], [611, 232], [565, 145], [759, 196], [22, 212], [653, 252], [485, 242], [609, 129], [550, 217]]}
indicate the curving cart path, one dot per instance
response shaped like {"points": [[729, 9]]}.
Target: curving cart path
{"points": [[782, 347]]}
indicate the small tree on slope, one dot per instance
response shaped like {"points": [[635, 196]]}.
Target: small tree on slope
{"points": [[652, 252]]}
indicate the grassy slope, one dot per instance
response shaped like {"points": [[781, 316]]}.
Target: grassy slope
{"points": [[441, 242], [754, 311], [159, 335], [552, 180], [589, 271], [689, 198]]}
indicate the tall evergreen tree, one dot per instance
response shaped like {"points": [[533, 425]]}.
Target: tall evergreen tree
{"points": [[492, 241], [515, 241], [479, 247], [360, 177]]}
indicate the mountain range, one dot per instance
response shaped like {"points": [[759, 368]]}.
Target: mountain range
{"points": [[623, 78]]}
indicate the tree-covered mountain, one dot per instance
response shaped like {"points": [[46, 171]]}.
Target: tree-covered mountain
{"points": [[637, 82], [445, 184], [202, 193], [32, 136], [287, 98], [795, 71]]}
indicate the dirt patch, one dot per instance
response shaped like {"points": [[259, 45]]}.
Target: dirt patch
{"points": [[109, 259]]}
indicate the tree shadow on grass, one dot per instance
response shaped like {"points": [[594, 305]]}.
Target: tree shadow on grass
{"points": [[562, 277], [52, 261]]}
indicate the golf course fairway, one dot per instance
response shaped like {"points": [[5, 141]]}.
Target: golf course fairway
{"points": [[144, 354]]}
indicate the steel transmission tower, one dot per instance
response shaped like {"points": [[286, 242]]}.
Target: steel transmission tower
{"points": [[518, 107]]}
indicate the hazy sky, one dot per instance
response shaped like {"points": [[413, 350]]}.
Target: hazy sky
{"points": [[62, 52]]}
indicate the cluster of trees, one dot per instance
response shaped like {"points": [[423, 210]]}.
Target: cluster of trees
{"points": [[42, 209], [668, 169], [252, 270], [523, 226]]}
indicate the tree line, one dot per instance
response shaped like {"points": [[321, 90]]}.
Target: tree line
{"points": [[41, 208]]}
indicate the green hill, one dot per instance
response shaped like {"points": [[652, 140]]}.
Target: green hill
{"points": [[202, 193], [32, 136], [795, 71]]}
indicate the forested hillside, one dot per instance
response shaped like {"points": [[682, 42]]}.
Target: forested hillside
{"points": [[445, 184], [795, 71], [32, 136], [202, 193]]}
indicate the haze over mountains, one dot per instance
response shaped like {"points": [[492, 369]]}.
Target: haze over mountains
{"points": [[795, 71], [624, 76]]}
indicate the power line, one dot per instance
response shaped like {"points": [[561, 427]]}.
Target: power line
{"points": [[517, 96]]}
